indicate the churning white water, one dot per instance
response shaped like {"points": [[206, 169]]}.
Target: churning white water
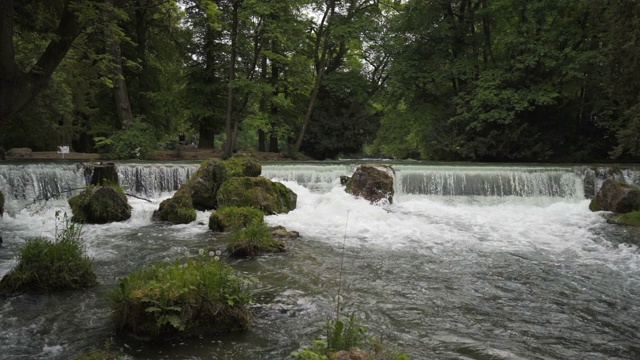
{"points": [[467, 263]]}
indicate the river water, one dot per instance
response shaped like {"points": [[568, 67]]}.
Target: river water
{"points": [[469, 262]]}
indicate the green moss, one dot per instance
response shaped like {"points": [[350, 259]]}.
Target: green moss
{"points": [[594, 205], [243, 165], [205, 182], [229, 218], [178, 209], [258, 193], [253, 240], [1, 203], [629, 219], [100, 205], [183, 298], [46, 265]]}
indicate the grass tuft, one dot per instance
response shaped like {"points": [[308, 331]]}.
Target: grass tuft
{"points": [[253, 240]]}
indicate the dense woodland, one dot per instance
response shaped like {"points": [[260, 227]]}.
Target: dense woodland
{"points": [[480, 80]]}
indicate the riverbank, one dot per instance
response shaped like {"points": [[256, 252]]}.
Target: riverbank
{"points": [[160, 155]]}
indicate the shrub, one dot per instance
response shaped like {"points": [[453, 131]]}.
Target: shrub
{"points": [[46, 265], [186, 297], [347, 340], [232, 217], [253, 240], [135, 142]]}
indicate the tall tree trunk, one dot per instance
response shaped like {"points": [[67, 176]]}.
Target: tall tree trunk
{"points": [[328, 15], [262, 146], [120, 93], [18, 88], [206, 137], [227, 148], [141, 48]]}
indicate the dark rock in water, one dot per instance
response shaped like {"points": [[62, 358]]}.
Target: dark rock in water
{"points": [[101, 174], [0, 240], [1, 203], [617, 197], [100, 205], [344, 180], [280, 232], [372, 183]]}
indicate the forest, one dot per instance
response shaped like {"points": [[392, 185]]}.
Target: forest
{"points": [[470, 80]]}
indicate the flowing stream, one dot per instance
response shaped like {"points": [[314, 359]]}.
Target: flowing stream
{"points": [[469, 262]]}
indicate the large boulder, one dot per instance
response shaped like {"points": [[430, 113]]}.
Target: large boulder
{"points": [[100, 205], [177, 209], [258, 193], [372, 183], [617, 197]]}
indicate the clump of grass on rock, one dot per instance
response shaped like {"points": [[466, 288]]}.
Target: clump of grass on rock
{"points": [[194, 296], [253, 240], [49, 265]]}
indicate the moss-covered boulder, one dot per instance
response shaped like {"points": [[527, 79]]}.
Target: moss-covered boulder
{"points": [[617, 197], [231, 218], [100, 205], [1, 203], [253, 240], [629, 219], [372, 183], [185, 298], [258, 193], [177, 209], [243, 165]]}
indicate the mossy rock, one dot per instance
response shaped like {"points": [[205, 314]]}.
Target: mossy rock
{"points": [[372, 183], [1, 203], [230, 218], [100, 205], [629, 219], [258, 193], [177, 209], [47, 265], [616, 196], [205, 183], [243, 165], [253, 240], [185, 298]]}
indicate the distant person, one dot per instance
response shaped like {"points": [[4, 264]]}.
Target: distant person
{"points": [[182, 138]]}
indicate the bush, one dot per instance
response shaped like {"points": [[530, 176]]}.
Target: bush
{"points": [[135, 142], [347, 340], [46, 265], [230, 218], [253, 240], [196, 295]]}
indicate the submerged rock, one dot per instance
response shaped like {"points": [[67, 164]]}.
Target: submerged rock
{"points": [[100, 205], [617, 197], [258, 193], [372, 183]]}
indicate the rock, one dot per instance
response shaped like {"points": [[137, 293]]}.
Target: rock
{"points": [[258, 193], [19, 153], [617, 197], [629, 219], [1, 203], [344, 180], [103, 174], [100, 205], [281, 232], [177, 209], [231, 218], [372, 183]]}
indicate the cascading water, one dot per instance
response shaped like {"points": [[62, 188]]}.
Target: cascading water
{"points": [[468, 263]]}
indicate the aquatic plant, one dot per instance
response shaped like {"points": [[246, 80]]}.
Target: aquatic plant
{"points": [[48, 265], [253, 240], [185, 297], [233, 217]]}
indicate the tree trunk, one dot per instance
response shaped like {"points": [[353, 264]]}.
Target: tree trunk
{"points": [[141, 47], [227, 148], [206, 136], [18, 88], [321, 67], [120, 93]]}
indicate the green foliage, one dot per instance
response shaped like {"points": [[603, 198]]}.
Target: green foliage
{"points": [[135, 142], [51, 265], [347, 336], [194, 295], [253, 240], [232, 217]]}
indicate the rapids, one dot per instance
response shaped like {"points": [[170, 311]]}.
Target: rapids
{"points": [[469, 262]]}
